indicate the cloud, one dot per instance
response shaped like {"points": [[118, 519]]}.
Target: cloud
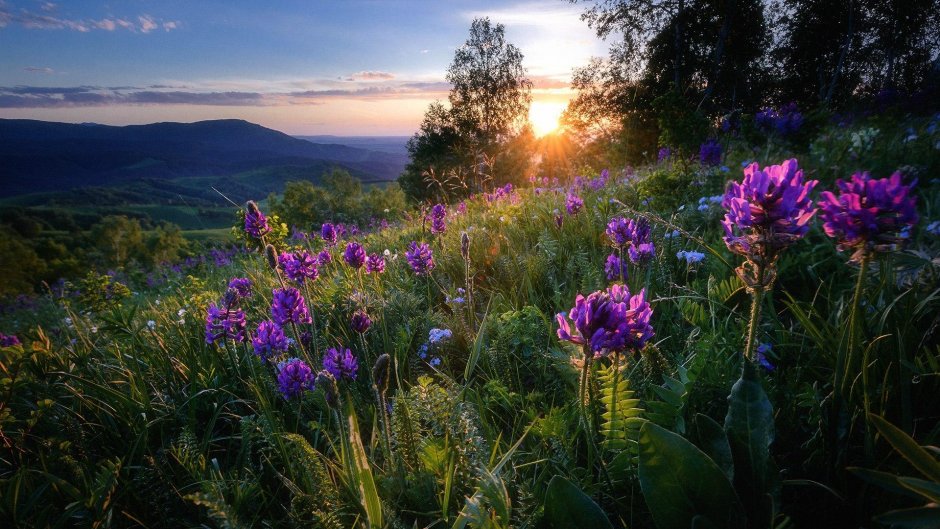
{"points": [[47, 19], [371, 76], [35, 69]]}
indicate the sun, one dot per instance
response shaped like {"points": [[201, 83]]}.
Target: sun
{"points": [[544, 116]]}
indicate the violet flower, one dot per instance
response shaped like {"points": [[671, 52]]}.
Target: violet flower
{"points": [[608, 321], [375, 264], [573, 204], [299, 266], [360, 321], [224, 323], [355, 255], [269, 340], [869, 215], [288, 306], [709, 153], [420, 257], [256, 224], [340, 363], [615, 268], [294, 377], [328, 234]]}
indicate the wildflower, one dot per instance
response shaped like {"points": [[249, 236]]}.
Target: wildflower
{"points": [[294, 377], [288, 306], [868, 214], [464, 246], [439, 335], [240, 288], [435, 362], [762, 351], [340, 363], [151, 324], [438, 214], [181, 313], [9, 340], [420, 258], [269, 340], [671, 234], [709, 153], [360, 321], [768, 211], [690, 257], [270, 255], [256, 224], [324, 258], [933, 228], [328, 234], [619, 232], [375, 264], [664, 153], [608, 321], [615, 268], [224, 323], [559, 218], [355, 255], [381, 373], [326, 381], [573, 204], [299, 266]]}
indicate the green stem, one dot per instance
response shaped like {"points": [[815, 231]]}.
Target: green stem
{"points": [[757, 297], [849, 358]]}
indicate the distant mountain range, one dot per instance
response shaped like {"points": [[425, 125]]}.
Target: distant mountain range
{"points": [[46, 157]]}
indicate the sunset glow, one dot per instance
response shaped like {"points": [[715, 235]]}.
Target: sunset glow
{"points": [[544, 116]]}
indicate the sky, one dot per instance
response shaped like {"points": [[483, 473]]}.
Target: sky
{"points": [[343, 67]]}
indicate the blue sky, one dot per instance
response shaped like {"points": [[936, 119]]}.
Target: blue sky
{"points": [[303, 67]]}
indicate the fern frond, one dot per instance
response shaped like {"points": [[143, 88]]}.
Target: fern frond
{"points": [[621, 407]]}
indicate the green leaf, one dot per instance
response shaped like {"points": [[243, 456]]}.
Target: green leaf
{"points": [[566, 506], [681, 483], [908, 448], [750, 428], [916, 518], [713, 440], [884, 480], [361, 472], [927, 489]]}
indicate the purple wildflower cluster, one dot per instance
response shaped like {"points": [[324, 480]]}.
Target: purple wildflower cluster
{"points": [[573, 204], [663, 154], [437, 217], [498, 193], [869, 215], [341, 363], [9, 340], [324, 258], [360, 321], [354, 255], [595, 184], [328, 234], [420, 258], [288, 306], [709, 153], [299, 266], [224, 322], [768, 211], [294, 377], [269, 340], [784, 121], [634, 236], [256, 224], [375, 264], [615, 268], [608, 321]]}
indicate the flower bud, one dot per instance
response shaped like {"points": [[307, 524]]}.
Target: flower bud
{"points": [[270, 254], [381, 372], [252, 207], [465, 246], [326, 381]]}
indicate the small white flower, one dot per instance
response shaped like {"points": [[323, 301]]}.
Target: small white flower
{"points": [[156, 302], [94, 329], [151, 324], [181, 312], [182, 322], [386, 210], [387, 252], [68, 321]]}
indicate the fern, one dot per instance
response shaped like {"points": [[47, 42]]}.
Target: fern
{"points": [[621, 408], [668, 412]]}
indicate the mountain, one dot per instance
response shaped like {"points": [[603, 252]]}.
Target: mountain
{"points": [[39, 156]]}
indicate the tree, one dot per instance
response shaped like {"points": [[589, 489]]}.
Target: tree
{"points": [[480, 134], [118, 239]]}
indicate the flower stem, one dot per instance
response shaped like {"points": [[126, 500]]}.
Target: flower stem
{"points": [[757, 297], [852, 343]]}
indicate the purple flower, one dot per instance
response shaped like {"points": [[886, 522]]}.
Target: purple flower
{"points": [[355, 255], [289, 306], [241, 287], [614, 267], [324, 258], [360, 321], [785, 121], [9, 340], [869, 214], [619, 232], [328, 234], [573, 204], [375, 264], [762, 351], [420, 258], [641, 253], [438, 214], [256, 224], [299, 266], [294, 377], [768, 211], [224, 323], [664, 153], [269, 340], [340, 363], [559, 218], [608, 321], [709, 153]]}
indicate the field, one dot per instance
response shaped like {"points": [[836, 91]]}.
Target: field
{"points": [[781, 374]]}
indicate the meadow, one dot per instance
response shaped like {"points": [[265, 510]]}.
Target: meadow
{"points": [[733, 339]]}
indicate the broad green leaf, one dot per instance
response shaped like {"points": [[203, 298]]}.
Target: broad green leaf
{"points": [[680, 483], [713, 440], [908, 448], [566, 506], [927, 489], [916, 518], [884, 480], [362, 472]]}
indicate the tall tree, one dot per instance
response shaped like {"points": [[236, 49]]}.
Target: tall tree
{"points": [[485, 125]]}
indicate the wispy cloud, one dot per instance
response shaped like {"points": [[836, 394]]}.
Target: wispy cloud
{"points": [[371, 76], [35, 69], [48, 18]]}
